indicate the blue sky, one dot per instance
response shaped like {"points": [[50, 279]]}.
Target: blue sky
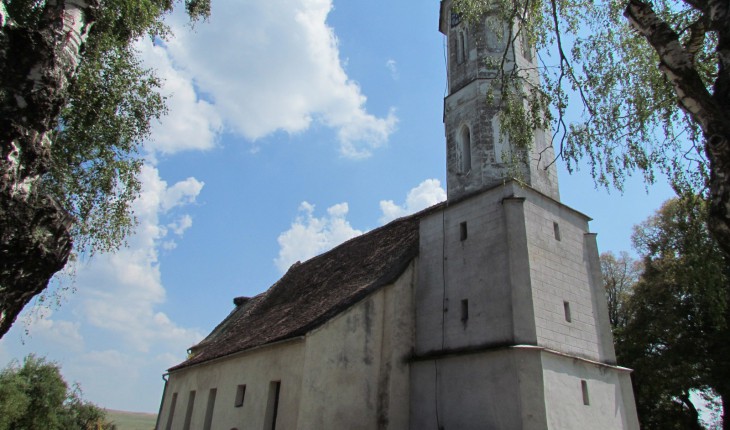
{"points": [[293, 125]]}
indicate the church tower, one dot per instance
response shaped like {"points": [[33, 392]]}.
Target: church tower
{"points": [[479, 155], [511, 320]]}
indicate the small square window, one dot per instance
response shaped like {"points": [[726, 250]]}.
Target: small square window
{"points": [[240, 394], [462, 231]]}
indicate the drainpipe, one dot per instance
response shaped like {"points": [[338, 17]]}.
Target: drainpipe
{"points": [[162, 401]]}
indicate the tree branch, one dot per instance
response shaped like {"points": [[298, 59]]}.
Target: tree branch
{"points": [[676, 64]]}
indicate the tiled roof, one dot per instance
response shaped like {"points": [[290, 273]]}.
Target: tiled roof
{"points": [[313, 292]]}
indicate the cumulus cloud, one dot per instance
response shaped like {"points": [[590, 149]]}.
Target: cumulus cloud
{"points": [[310, 236], [113, 325], [182, 193], [280, 69], [427, 193], [121, 290], [191, 123], [63, 333], [183, 223]]}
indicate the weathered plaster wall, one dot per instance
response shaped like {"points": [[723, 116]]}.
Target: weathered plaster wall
{"points": [[256, 369], [499, 389], [472, 269], [610, 398], [355, 368], [562, 270]]}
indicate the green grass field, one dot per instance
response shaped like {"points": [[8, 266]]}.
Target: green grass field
{"points": [[131, 420]]}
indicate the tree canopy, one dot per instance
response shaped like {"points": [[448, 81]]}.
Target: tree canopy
{"points": [[673, 329], [650, 80], [35, 396], [75, 106]]}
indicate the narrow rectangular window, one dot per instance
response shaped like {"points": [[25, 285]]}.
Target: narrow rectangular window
{"points": [[173, 402], [189, 411], [556, 228], [566, 308], [584, 388], [272, 405], [209, 409], [240, 395], [464, 310], [462, 231]]}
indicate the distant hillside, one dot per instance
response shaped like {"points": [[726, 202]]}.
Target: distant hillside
{"points": [[131, 420]]}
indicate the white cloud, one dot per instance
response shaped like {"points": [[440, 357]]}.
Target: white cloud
{"points": [[191, 123], [427, 193], [112, 325], [275, 66], [182, 193], [183, 223], [121, 290], [121, 374], [310, 236], [65, 334]]}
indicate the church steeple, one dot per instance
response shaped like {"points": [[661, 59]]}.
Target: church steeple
{"points": [[479, 155]]}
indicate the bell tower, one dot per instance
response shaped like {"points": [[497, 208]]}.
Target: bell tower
{"points": [[479, 154]]}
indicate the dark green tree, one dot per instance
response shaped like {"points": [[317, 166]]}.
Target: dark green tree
{"points": [[650, 80], [75, 106], [677, 338], [34, 396]]}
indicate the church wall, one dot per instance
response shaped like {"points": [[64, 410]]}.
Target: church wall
{"points": [[563, 294], [355, 370], [472, 270], [570, 384], [497, 389], [256, 369]]}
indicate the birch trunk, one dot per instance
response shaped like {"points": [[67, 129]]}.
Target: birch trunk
{"points": [[37, 66]]}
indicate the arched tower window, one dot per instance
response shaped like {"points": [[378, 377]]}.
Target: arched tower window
{"points": [[461, 48], [465, 146], [501, 150], [496, 34], [526, 46]]}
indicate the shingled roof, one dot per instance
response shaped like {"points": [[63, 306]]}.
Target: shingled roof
{"points": [[311, 293]]}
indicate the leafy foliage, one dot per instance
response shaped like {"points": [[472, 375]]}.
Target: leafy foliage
{"points": [[95, 158], [590, 55], [35, 396], [676, 334]]}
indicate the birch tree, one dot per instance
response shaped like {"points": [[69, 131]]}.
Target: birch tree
{"points": [[648, 79], [75, 105]]}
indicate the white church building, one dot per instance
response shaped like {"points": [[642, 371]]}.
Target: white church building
{"points": [[486, 311]]}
